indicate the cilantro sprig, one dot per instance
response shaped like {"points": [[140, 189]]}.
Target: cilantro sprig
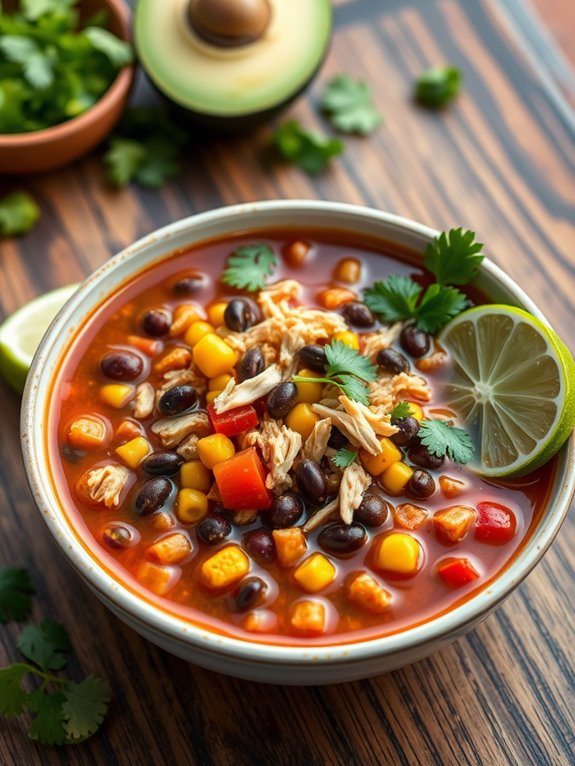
{"points": [[445, 440], [16, 590], [248, 267], [437, 86], [343, 458], [347, 369], [401, 410], [349, 106], [307, 149], [453, 258], [18, 213]]}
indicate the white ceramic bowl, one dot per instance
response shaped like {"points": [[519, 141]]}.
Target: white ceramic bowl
{"points": [[260, 662]]}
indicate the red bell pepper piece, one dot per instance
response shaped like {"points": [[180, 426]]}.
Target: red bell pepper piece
{"points": [[233, 422], [241, 481], [457, 572], [495, 523]]}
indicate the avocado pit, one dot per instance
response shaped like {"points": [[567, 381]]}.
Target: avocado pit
{"points": [[229, 23]]}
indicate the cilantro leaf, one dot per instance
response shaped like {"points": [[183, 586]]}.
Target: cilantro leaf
{"points": [[438, 306], [117, 51], [454, 257], [353, 388], [349, 106], [344, 457], [248, 266], [401, 410], [393, 300], [437, 86], [341, 358], [12, 697], [441, 439], [44, 644], [84, 707], [34, 9], [123, 160], [47, 726], [36, 65], [307, 149], [18, 213], [15, 590]]}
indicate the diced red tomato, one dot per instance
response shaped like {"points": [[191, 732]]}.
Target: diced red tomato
{"points": [[241, 481], [233, 422], [457, 572], [495, 523]]}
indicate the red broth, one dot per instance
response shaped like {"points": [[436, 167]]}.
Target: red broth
{"points": [[416, 600]]}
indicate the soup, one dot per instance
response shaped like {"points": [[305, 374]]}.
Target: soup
{"points": [[251, 459]]}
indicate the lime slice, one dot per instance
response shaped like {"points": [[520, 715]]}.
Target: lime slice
{"points": [[513, 386], [21, 333]]}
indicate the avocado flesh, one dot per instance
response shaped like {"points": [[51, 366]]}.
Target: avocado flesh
{"points": [[228, 83]]}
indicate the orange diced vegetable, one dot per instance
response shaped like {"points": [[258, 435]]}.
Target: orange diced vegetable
{"points": [[128, 429], [162, 521], [348, 270], [148, 346], [158, 578], [177, 358], [457, 572], [409, 516], [451, 487], [453, 523], [88, 433], [334, 297], [366, 593], [290, 545], [224, 568], [296, 253], [308, 617], [241, 481], [172, 549], [432, 362]]}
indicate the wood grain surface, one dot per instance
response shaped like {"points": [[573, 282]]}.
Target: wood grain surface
{"points": [[500, 161]]}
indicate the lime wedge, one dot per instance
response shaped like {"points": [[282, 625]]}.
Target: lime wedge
{"points": [[21, 333], [513, 386]]}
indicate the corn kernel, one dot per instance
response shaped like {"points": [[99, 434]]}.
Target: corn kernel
{"points": [[196, 332], [192, 505], [213, 356], [416, 410], [315, 573], [216, 313], [159, 579], [116, 394], [211, 396], [224, 568], [350, 339], [134, 451], [290, 545], [377, 464], [183, 317], [172, 549], [215, 449], [302, 419], [308, 617], [88, 433], [219, 383], [334, 297], [395, 478], [309, 393], [367, 594], [398, 553], [348, 270], [195, 475]]}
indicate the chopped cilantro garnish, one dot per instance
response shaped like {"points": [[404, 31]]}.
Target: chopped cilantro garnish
{"points": [[305, 148], [344, 457], [348, 370], [394, 299], [401, 410], [443, 439], [248, 267], [454, 257], [349, 106], [437, 86], [18, 213]]}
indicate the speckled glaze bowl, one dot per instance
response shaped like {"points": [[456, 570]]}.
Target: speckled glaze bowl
{"points": [[256, 661]]}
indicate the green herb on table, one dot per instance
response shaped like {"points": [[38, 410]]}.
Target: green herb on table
{"points": [[437, 86], [16, 590], [347, 369], [343, 458], [248, 267], [307, 149], [49, 70], [401, 410], [145, 148], [349, 106], [443, 439], [18, 213]]}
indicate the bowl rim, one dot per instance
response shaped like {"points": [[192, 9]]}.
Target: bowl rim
{"points": [[159, 621], [119, 86]]}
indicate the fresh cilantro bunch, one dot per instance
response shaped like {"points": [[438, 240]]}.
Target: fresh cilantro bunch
{"points": [[18, 213], [437, 86], [305, 148], [63, 711], [49, 70], [453, 258], [444, 439], [347, 369], [349, 106], [248, 266]]}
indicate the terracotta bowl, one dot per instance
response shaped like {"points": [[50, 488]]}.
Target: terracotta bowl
{"points": [[41, 150]]}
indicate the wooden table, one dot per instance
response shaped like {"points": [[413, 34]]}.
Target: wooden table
{"points": [[502, 162]]}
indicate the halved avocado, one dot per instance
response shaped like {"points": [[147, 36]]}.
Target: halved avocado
{"points": [[232, 81]]}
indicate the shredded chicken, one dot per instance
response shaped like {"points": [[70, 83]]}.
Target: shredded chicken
{"points": [[357, 429], [374, 417], [280, 446], [318, 518], [104, 486], [387, 389], [353, 484], [188, 449], [191, 377], [274, 299], [383, 338], [249, 438], [316, 443], [172, 431], [239, 394], [144, 401]]}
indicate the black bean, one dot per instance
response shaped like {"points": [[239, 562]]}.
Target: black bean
{"points": [[120, 536], [259, 543], [336, 439], [72, 455], [152, 495], [213, 529], [313, 357], [358, 314], [342, 538], [189, 285], [414, 341], [251, 364], [162, 463], [421, 484], [420, 455], [281, 399], [240, 314], [408, 430], [392, 361], [122, 365], [177, 400], [311, 482], [251, 593], [157, 322], [285, 511], [373, 511]]}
